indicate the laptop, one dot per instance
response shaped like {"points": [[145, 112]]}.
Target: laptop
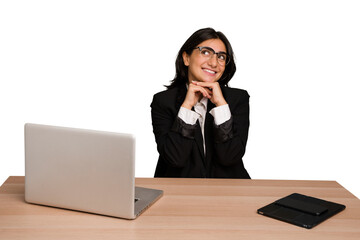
{"points": [[84, 170]]}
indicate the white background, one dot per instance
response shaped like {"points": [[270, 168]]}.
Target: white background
{"points": [[96, 64]]}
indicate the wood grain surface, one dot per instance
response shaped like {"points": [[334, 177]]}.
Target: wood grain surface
{"points": [[190, 209]]}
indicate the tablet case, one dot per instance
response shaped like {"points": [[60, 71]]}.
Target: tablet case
{"points": [[301, 210]]}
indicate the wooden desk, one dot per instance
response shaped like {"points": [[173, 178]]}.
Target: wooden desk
{"points": [[190, 209]]}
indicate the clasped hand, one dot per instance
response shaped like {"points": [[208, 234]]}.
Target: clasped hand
{"points": [[198, 90]]}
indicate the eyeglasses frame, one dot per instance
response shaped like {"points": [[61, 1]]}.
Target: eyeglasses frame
{"points": [[217, 54]]}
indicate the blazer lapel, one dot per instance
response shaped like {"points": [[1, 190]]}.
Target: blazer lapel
{"points": [[181, 94], [198, 135]]}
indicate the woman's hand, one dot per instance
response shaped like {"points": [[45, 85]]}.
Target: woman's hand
{"points": [[214, 90], [194, 94]]}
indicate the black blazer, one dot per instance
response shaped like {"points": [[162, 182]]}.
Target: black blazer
{"points": [[180, 145]]}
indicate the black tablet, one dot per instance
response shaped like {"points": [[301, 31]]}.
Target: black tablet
{"points": [[301, 210]]}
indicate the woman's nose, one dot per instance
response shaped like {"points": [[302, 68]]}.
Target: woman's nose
{"points": [[213, 60]]}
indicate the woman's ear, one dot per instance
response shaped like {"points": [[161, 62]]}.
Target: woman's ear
{"points": [[186, 58]]}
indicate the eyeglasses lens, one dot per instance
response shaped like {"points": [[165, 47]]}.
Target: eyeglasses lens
{"points": [[222, 58]]}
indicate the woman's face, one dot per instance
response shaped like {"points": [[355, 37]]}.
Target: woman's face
{"points": [[202, 67]]}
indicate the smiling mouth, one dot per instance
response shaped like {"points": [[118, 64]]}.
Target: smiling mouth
{"points": [[209, 71]]}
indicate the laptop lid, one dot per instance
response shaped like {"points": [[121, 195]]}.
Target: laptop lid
{"points": [[84, 170]]}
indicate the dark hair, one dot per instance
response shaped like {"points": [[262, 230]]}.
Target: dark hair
{"points": [[181, 76]]}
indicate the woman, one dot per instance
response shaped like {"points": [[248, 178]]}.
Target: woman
{"points": [[200, 124]]}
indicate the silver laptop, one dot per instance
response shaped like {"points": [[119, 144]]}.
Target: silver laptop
{"points": [[84, 170]]}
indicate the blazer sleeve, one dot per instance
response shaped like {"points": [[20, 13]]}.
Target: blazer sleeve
{"points": [[231, 136], [174, 138]]}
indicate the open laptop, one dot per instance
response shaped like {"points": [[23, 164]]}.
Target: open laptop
{"points": [[84, 170]]}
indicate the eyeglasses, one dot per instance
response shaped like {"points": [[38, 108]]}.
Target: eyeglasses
{"points": [[207, 52]]}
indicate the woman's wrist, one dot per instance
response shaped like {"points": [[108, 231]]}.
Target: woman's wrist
{"points": [[186, 105], [220, 103]]}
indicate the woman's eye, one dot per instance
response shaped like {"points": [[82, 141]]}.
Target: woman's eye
{"points": [[205, 52], [222, 57]]}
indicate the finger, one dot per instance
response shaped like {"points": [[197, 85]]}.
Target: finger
{"points": [[209, 91], [206, 92], [203, 91], [205, 84]]}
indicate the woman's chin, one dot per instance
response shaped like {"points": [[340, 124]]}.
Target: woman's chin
{"points": [[209, 80]]}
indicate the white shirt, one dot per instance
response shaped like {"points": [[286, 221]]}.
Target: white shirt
{"points": [[221, 114]]}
